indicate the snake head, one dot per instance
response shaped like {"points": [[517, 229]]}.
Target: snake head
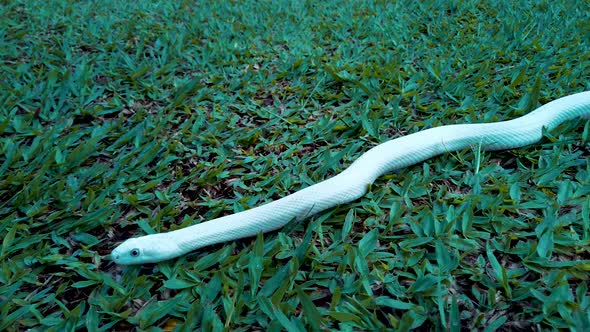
{"points": [[146, 249]]}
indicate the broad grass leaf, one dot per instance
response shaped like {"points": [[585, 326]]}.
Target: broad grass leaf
{"points": [[447, 261], [392, 303], [347, 227], [8, 240], [544, 231], [515, 192], [83, 284], [154, 311], [255, 266], [344, 316], [368, 243], [279, 278], [311, 313], [497, 268], [415, 242], [210, 320], [495, 324], [422, 284], [545, 245], [9, 153], [499, 271]]}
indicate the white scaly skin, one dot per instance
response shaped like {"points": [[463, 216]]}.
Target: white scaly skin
{"points": [[353, 182]]}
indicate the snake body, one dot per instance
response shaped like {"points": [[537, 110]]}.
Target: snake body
{"points": [[353, 182]]}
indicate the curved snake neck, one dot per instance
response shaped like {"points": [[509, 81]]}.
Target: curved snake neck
{"points": [[353, 182]]}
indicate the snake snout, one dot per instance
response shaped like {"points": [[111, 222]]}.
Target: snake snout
{"points": [[115, 255]]}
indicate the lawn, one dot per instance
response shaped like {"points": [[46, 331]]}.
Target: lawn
{"points": [[125, 118]]}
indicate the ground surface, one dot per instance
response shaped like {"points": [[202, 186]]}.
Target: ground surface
{"points": [[121, 118]]}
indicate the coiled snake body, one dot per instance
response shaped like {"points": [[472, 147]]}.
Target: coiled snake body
{"points": [[353, 182]]}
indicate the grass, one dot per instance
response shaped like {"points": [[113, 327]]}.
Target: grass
{"points": [[121, 118]]}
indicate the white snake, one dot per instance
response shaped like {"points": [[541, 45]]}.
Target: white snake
{"points": [[353, 182]]}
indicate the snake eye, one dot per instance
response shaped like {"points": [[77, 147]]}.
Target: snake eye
{"points": [[134, 252]]}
